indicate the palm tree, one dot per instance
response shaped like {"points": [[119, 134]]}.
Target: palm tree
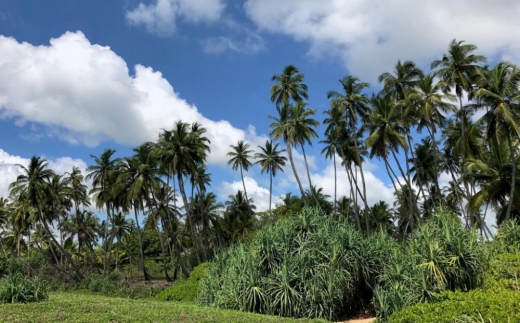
{"points": [[399, 84], [280, 129], [240, 156], [239, 217], [32, 185], [140, 178], [386, 135], [430, 107], [184, 149], [288, 87], [457, 69], [271, 161], [494, 176], [354, 105], [498, 92], [102, 174], [301, 130]]}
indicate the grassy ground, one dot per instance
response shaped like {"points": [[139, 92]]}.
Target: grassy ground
{"points": [[83, 308]]}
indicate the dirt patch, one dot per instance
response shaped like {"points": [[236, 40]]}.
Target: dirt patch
{"points": [[371, 320]]}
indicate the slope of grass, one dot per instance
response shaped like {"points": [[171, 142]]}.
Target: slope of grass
{"points": [[79, 308]]}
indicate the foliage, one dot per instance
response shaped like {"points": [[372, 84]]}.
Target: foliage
{"points": [[15, 288], [441, 255], [310, 265], [500, 306], [503, 272], [508, 237], [81, 308], [185, 291]]}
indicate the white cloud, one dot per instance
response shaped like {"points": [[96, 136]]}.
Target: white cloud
{"points": [[9, 170], [371, 35], [260, 195], [160, 17], [252, 43], [83, 93]]}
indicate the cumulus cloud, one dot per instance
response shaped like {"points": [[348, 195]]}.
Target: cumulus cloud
{"points": [[371, 35], [160, 17], [84, 93], [9, 170], [259, 194]]}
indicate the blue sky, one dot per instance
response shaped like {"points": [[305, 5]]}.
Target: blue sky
{"points": [[106, 79]]}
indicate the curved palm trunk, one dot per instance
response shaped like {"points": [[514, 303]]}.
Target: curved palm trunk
{"points": [[244, 184], [145, 273], [513, 175], [289, 153], [163, 252], [309, 176]]}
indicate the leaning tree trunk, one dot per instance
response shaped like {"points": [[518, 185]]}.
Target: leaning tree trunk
{"points": [[513, 174], [244, 184], [410, 194], [352, 194], [289, 152], [309, 176], [145, 273]]}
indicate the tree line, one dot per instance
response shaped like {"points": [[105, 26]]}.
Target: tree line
{"points": [[421, 125]]}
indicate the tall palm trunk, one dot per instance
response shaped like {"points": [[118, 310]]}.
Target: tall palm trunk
{"points": [[352, 194], [335, 183], [289, 153], [309, 176], [189, 218], [145, 273], [244, 184], [410, 193], [513, 175], [270, 191]]}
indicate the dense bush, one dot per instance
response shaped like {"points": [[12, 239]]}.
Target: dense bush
{"points": [[441, 255], [186, 290], [309, 265], [508, 238], [15, 288], [498, 306], [313, 265]]}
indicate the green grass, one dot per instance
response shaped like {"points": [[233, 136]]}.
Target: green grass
{"points": [[78, 308]]}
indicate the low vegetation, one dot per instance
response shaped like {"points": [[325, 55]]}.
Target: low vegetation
{"points": [[84, 308], [185, 290]]}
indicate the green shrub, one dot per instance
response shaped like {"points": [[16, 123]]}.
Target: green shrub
{"points": [[508, 237], [100, 284], [17, 289], [309, 265], [499, 306], [187, 290], [503, 272]]}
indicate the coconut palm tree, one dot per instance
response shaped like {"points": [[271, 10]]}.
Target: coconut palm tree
{"points": [[301, 129], [354, 104], [271, 161], [402, 81], [103, 175], [184, 149], [457, 69], [280, 130], [288, 87], [494, 176], [499, 92], [386, 136], [32, 186], [240, 159]]}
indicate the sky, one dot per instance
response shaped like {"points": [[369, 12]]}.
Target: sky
{"points": [[77, 77]]}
